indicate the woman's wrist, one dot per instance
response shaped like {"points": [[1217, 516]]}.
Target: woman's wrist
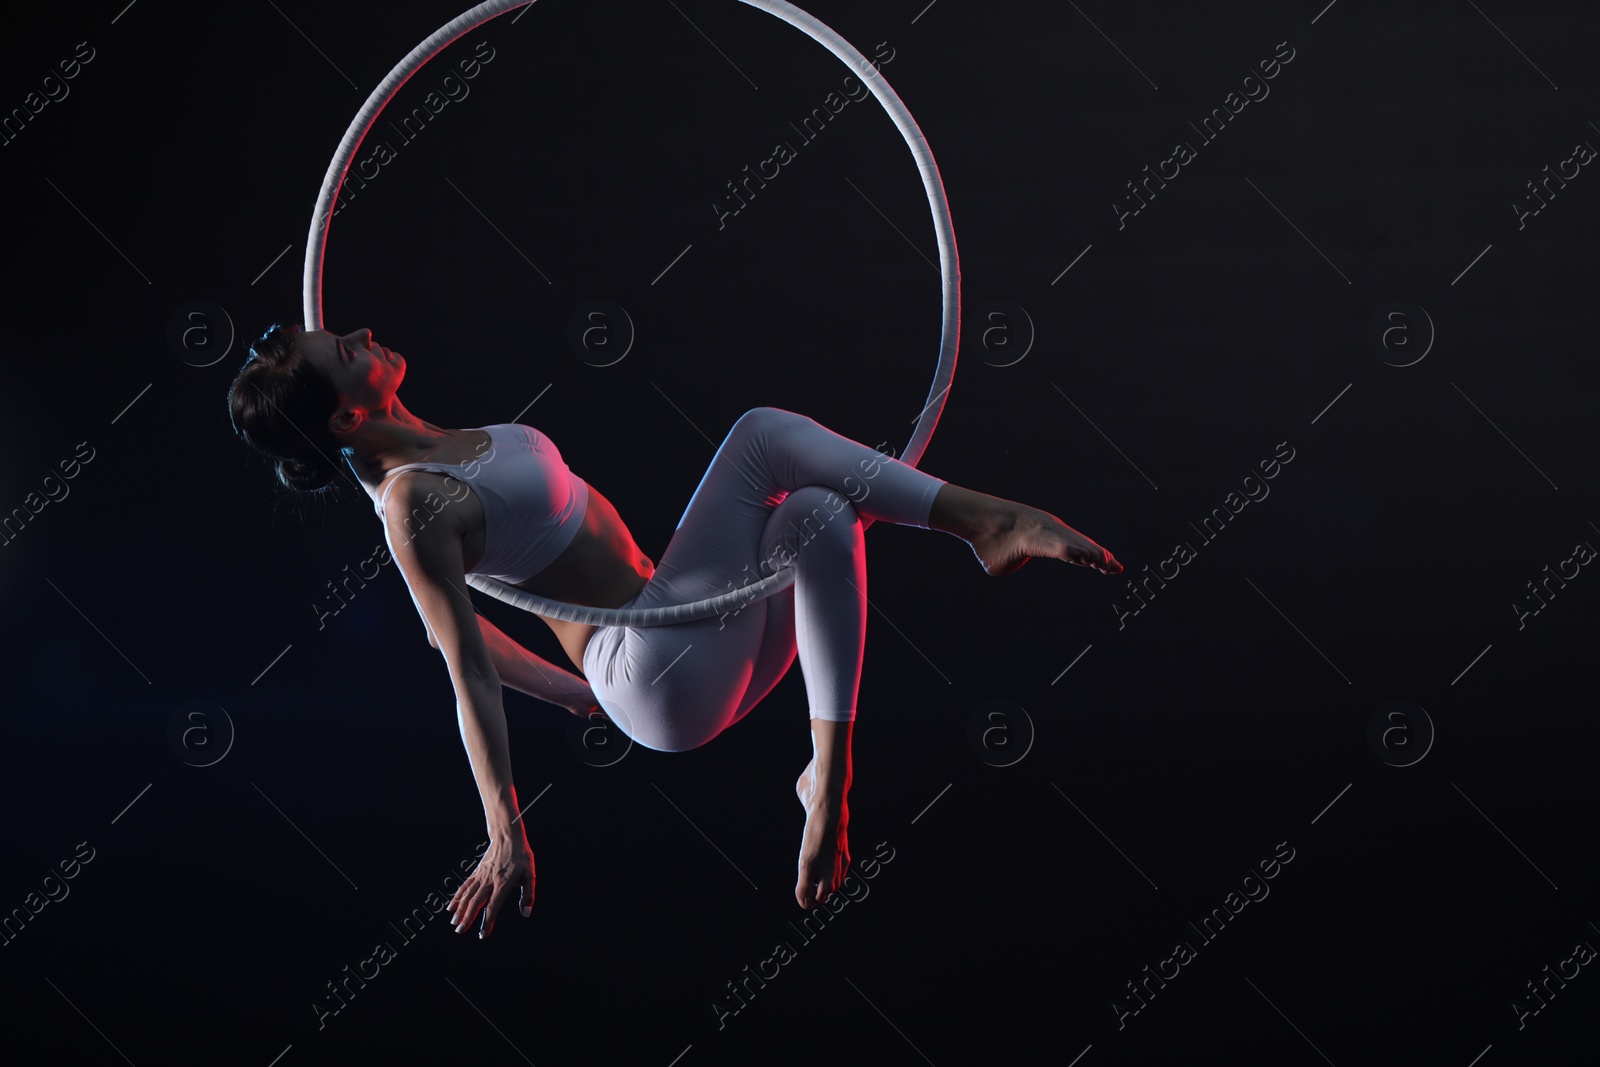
{"points": [[511, 837], [502, 818]]}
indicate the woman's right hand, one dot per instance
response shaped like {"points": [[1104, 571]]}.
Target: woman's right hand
{"points": [[506, 867]]}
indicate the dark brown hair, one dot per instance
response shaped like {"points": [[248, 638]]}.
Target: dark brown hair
{"points": [[280, 403]]}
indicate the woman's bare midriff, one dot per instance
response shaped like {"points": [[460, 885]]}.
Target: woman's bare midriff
{"points": [[601, 568]]}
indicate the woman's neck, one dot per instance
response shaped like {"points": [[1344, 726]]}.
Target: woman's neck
{"points": [[389, 439]]}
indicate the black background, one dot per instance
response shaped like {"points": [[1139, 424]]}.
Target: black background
{"points": [[1174, 755]]}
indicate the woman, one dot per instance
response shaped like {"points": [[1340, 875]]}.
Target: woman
{"points": [[499, 500]]}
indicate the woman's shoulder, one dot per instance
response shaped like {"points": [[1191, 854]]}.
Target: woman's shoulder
{"points": [[517, 430], [404, 492]]}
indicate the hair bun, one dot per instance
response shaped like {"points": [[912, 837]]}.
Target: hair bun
{"points": [[306, 476], [280, 403]]}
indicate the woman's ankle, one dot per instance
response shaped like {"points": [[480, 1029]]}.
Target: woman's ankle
{"points": [[955, 511], [968, 514]]}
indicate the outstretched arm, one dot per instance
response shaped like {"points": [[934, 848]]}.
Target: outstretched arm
{"points": [[528, 672], [434, 571]]}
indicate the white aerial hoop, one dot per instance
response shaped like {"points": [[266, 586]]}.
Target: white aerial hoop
{"points": [[949, 272]]}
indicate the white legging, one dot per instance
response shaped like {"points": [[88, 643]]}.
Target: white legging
{"points": [[781, 487]]}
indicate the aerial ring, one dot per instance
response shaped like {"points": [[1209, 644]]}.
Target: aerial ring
{"points": [[949, 273]]}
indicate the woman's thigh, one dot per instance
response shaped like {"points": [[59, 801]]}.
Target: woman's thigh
{"points": [[775, 654], [717, 543], [725, 541], [674, 688]]}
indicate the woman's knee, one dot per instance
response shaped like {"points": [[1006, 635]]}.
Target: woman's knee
{"points": [[845, 521], [764, 419], [813, 515]]}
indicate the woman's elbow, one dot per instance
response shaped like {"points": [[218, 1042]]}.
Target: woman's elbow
{"points": [[473, 675]]}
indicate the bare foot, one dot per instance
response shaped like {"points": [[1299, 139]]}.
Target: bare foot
{"points": [[824, 848], [1011, 534]]}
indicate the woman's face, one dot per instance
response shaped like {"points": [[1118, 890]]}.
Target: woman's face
{"points": [[364, 373]]}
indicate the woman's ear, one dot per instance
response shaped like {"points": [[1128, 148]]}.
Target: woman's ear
{"points": [[345, 420]]}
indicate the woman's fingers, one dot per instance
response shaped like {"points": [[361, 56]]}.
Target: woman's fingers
{"points": [[496, 899], [463, 896], [458, 910], [480, 898], [457, 899], [523, 887], [474, 903]]}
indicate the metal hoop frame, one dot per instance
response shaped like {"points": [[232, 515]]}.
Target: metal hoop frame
{"points": [[949, 271]]}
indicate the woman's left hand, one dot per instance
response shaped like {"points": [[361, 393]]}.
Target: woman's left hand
{"points": [[593, 711], [506, 867]]}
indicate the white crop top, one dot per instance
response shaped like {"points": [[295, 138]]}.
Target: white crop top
{"points": [[532, 503]]}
